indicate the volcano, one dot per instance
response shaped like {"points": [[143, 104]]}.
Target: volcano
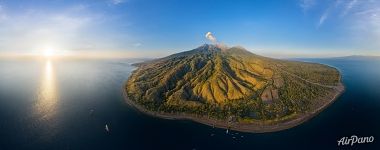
{"points": [[230, 87]]}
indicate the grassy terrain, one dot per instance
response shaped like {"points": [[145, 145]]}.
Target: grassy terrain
{"points": [[231, 82]]}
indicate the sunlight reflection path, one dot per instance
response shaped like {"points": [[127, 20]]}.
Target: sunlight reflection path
{"points": [[47, 94]]}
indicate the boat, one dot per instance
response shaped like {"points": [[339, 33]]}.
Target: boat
{"points": [[107, 129]]}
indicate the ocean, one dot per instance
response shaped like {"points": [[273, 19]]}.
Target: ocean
{"points": [[65, 104]]}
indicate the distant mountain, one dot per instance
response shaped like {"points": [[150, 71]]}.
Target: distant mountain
{"points": [[359, 57], [232, 86]]}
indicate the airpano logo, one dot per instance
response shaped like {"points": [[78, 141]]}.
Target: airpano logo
{"points": [[355, 140]]}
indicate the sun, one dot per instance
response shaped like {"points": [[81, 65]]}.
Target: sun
{"points": [[48, 52], [52, 52]]}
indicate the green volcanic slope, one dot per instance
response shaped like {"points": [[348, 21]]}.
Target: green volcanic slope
{"points": [[232, 84]]}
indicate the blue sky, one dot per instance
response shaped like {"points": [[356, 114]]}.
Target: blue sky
{"points": [[152, 28]]}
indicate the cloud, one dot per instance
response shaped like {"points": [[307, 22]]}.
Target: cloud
{"points": [[368, 20], [359, 14], [137, 44], [69, 22], [116, 2], [332, 8], [3, 15], [210, 37], [363, 25], [37, 28], [323, 18], [329, 11], [306, 4], [349, 6], [359, 20]]}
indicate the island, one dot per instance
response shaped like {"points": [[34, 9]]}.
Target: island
{"points": [[232, 88]]}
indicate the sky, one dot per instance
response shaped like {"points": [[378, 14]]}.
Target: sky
{"points": [[152, 28]]}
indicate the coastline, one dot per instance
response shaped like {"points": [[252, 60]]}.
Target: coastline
{"points": [[254, 127]]}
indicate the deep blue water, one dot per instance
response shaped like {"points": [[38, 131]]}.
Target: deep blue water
{"points": [[66, 104]]}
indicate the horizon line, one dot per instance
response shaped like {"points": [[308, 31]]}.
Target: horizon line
{"points": [[129, 55]]}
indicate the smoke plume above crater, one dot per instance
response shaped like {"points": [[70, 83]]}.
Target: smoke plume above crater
{"points": [[211, 37]]}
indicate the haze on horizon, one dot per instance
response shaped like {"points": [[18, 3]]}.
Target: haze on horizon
{"points": [[149, 28]]}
